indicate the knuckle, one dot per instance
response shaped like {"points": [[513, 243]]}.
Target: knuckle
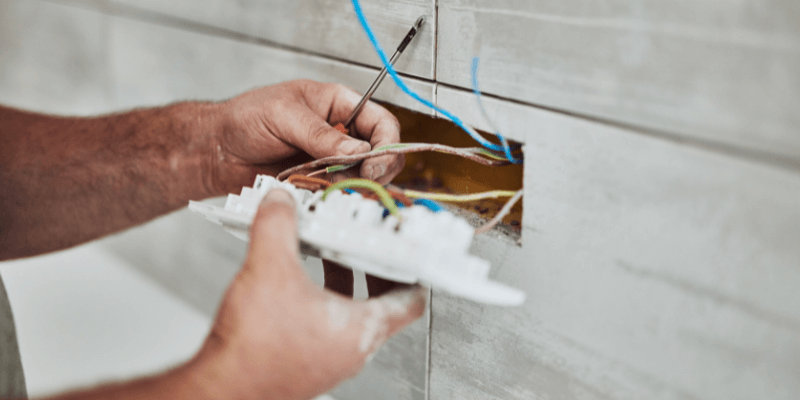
{"points": [[340, 88], [317, 133], [304, 82]]}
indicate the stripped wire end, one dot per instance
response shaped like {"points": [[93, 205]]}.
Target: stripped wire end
{"points": [[500, 215]]}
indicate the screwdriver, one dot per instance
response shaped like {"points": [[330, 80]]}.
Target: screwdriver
{"points": [[410, 35]]}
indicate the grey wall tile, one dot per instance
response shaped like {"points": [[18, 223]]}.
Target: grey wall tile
{"points": [[653, 270], [713, 71], [322, 26], [54, 58], [185, 253], [154, 64]]}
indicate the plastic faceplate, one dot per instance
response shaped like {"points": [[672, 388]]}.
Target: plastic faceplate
{"points": [[425, 247]]}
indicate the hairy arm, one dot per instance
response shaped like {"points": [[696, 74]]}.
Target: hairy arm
{"points": [[65, 181]]}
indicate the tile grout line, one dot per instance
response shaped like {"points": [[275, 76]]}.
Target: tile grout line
{"points": [[435, 55], [428, 346], [742, 153], [429, 331]]}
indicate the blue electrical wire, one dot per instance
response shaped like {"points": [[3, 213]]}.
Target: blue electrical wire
{"points": [[432, 205], [477, 91], [429, 204], [402, 85]]}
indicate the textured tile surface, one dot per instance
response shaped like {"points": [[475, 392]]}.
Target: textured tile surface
{"points": [[321, 26], [653, 270], [53, 58], [155, 64], [718, 71]]}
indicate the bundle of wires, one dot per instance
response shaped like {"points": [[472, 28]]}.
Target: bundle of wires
{"points": [[341, 163], [393, 200], [504, 146]]}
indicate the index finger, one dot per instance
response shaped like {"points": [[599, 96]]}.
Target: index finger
{"points": [[374, 124]]}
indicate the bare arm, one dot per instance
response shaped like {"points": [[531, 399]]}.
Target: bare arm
{"points": [[65, 181]]}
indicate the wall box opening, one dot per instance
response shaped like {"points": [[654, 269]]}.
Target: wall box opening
{"points": [[445, 173]]}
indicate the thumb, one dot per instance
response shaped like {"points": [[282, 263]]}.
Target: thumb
{"points": [[387, 315], [273, 234]]}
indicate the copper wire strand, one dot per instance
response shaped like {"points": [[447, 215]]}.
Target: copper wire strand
{"points": [[463, 152], [318, 173], [308, 183], [500, 215]]}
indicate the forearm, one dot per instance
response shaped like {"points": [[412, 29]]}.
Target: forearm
{"points": [[65, 181]]}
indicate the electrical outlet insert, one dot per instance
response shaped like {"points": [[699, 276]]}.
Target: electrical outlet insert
{"points": [[419, 247]]}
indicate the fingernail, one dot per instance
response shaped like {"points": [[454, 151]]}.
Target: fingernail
{"points": [[377, 171], [278, 196], [353, 146]]}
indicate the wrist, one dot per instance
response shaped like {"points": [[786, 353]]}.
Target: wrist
{"points": [[200, 156], [213, 374], [232, 140]]}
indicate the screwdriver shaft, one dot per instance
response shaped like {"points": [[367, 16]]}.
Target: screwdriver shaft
{"points": [[384, 71]]}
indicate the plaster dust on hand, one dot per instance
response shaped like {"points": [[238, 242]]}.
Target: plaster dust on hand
{"points": [[338, 314], [376, 325], [375, 328]]}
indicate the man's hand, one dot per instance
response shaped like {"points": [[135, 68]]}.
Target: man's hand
{"points": [[277, 335], [120, 170], [264, 130]]}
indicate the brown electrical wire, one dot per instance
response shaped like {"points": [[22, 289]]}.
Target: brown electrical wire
{"points": [[308, 183], [335, 160]]}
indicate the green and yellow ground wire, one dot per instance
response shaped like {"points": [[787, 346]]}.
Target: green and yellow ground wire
{"points": [[383, 194]]}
